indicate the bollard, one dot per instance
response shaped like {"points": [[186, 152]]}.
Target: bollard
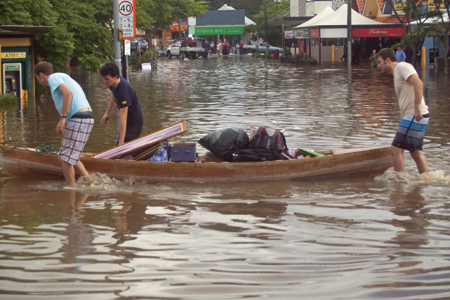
{"points": [[332, 53], [424, 57], [276, 54]]}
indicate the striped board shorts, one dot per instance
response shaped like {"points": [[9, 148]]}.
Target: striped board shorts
{"points": [[410, 133], [74, 139]]}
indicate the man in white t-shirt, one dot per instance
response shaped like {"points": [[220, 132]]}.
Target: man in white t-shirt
{"points": [[413, 110]]}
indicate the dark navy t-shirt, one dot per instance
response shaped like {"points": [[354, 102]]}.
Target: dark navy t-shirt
{"points": [[125, 96]]}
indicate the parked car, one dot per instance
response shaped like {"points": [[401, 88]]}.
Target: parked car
{"points": [[134, 43], [143, 42], [261, 48]]}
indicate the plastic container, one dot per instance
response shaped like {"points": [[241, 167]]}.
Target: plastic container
{"points": [[186, 152]]}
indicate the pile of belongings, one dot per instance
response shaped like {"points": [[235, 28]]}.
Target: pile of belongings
{"points": [[235, 145]]}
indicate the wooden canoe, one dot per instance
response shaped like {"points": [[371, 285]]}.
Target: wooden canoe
{"points": [[25, 162]]}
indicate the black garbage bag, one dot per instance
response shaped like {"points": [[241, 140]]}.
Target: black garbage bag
{"points": [[226, 141]]}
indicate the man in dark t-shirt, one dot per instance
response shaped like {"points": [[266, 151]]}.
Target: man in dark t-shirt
{"points": [[124, 96]]}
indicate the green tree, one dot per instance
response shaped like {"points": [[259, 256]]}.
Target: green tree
{"points": [[187, 8], [76, 31], [55, 46], [83, 29], [151, 14], [440, 27], [412, 15], [251, 7], [274, 33], [91, 38]]}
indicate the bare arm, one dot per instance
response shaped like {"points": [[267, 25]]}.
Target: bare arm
{"points": [[110, 107], [67, 99], [123, 125], [418, 94]]}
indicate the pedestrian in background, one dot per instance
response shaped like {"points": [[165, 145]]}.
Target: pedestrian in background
{"points": [[373, 61], [219, 48], [401, 56], [207, 47], [224, 47]]}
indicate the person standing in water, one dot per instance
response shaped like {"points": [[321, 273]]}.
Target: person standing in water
{"points": [[76, 120], [124, 96], [413, 110]]}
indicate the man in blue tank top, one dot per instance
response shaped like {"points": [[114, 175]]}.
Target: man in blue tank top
{"points": [[76, 120], [124, 96]]}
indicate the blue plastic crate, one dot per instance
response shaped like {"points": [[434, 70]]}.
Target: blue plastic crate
{"points": [[186, 152]]}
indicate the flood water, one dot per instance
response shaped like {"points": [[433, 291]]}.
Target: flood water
{"points": [[343, 238]]}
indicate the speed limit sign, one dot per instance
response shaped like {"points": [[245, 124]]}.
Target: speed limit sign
{"points": [[127, 18]]}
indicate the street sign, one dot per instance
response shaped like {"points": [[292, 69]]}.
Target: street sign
{"points": [[127, 18], [127, 48]]}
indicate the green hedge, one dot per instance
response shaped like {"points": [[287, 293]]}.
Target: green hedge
{"points": [[8, 99]]}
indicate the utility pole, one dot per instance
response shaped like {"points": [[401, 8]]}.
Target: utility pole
{"points": [[117, 44], [265, 29], [349, 33]]}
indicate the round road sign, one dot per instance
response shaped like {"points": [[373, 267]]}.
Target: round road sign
{"points": [[125, 8]]}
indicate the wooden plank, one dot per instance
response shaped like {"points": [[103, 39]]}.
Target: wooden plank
{"points": [[143, 141]]}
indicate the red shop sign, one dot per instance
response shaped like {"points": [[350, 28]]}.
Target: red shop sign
{"points": [[377, 32], [314, 33]]}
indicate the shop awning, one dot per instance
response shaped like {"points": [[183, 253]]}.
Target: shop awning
{"points": [[216, 30], [23, 30], [333, 24], [319, 17]]}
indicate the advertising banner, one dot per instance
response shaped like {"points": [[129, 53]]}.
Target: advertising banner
{"points": [[217, 30], [314, 33], [377, 32], [289, 35]]}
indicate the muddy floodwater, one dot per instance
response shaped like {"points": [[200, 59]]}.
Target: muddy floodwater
{"points": [[386, 237]]}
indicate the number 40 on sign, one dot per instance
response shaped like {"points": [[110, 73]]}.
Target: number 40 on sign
{"points": [[127, 18]]}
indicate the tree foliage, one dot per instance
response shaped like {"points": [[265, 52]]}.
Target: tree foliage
{"points": [[274, 31], [251, 7], [83, 29], [153, 14], [412, 15], [440, 27]]}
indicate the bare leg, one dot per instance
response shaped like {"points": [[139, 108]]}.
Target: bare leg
{"points": [[420, 160], [81, 170], [397, 156], [69, 173]]}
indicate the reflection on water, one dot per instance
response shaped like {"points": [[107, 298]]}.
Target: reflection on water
{"points": [[358, 238], [362, 239]]}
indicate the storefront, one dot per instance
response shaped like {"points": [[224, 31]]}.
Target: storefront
{"points": [[17, 60], [226, 23], [231, 33], [328, 33]]}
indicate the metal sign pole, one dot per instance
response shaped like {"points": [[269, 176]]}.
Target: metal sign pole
{"points": [[117, 45], [265, 30], [125, 63], [349, 32]]}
